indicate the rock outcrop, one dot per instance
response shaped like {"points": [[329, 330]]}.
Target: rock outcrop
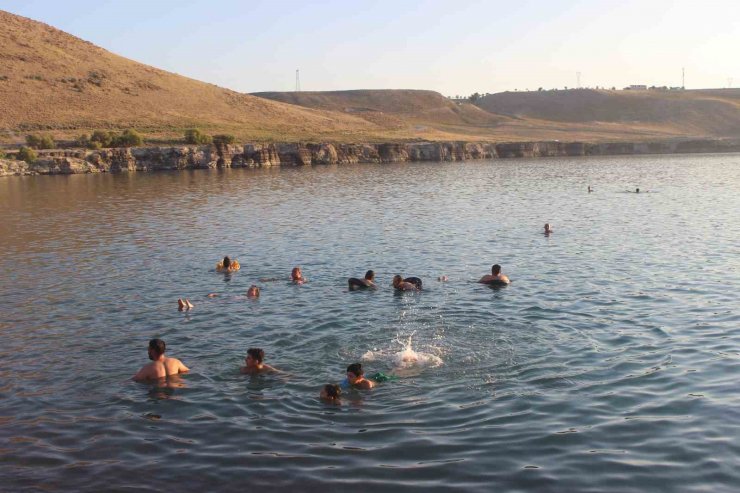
{"points": [[298, 154]]}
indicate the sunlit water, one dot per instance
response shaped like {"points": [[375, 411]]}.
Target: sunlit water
{"points": [[609, 365]]}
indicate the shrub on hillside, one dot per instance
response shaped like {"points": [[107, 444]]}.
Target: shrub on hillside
{"points": [[40, 141], [129, 138], [196, 137], [101, 137], [223, 139], [27, 154]]}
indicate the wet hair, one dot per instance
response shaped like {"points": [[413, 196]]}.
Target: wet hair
{"points": [[332, 390], [256, 289], [495, 269], [356, 368], [256, 353], [158, 346], [294, 271], [227, 262], [397, 279], [369, 275]]}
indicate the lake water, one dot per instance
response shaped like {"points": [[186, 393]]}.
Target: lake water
{"points": [[609, 364]]}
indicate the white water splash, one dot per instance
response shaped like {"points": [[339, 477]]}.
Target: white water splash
{"points": [[406, 358]]}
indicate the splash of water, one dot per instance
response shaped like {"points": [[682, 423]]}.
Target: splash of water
{"points": [[406, 357]]}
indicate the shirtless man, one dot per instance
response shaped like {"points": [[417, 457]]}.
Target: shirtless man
{"points": [[496, 276], [254, 364], [356, 377], [160, 367], [402, 285], [367, 283]]}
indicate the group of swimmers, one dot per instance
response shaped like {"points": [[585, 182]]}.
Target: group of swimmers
{"points": [[162, 368]]}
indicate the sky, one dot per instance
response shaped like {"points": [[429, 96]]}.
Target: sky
{"points": [[453, 47]]}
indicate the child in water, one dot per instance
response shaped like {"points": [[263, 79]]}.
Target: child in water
{"points": [[330, 393]]}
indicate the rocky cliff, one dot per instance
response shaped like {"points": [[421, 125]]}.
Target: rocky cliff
{"points": [[292, 154]]}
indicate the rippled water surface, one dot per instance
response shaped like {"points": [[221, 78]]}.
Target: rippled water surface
{"points": [[609, 364]]}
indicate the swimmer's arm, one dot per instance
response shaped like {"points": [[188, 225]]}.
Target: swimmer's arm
{"points": [[484, 279], [181, 368]]}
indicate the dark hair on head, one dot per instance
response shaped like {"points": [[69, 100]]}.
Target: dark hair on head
{"points": [[158, 346], [332, 390], [356, 368], [495, 269], [369, 275], [256, 353], [227, 262]]}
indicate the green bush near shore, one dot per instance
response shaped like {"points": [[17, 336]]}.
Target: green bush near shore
{"points": [[101, 139], [222, 139], [194, 136], [27, 154], [40, 141]]}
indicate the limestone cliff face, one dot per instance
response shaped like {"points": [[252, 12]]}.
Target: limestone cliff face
{"points": [[292, 154]]}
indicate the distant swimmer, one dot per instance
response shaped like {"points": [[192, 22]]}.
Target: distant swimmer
{"points": [[228, 265], [253, 291], [331, 393], [496, 277], [443, 278], [637, 190], [590, 189], [356, 378], [367, 283], [184, 304], [548, 229], [401, 284], [160, 367], [254, 362], [296, 276]]}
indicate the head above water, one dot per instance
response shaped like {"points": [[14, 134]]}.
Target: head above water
{"points": [[331, 391], [156, 349], [256, 354], [226, 262], [369, 275], [397, 280], [296, 273], [495, 269], [548, 227], [355, 371], [253, 291]]}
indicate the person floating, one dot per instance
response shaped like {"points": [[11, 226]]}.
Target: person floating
{"points": [[296, 276], [254, 362], [367, 283], [548, 229], [228, 265], [331, 393], [253, 291], [160, 368], [495, 277], [408, 284], [356, 378], [184, 304]]}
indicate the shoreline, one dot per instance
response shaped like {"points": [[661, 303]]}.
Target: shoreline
{"points": [[255, 155]]}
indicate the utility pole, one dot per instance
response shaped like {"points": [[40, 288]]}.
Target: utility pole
{"points": [[578, 80], [297, 81], [683, 78]]}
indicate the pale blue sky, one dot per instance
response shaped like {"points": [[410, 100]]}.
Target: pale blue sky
{"points": [[454, 47]]}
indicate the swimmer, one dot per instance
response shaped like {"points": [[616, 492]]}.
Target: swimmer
{"points": [[402, 284], [495, 277], [637, 190], [443, 278], [548, 229], [254, 362], [590, 189], [253, 291], [184, 304], [356, 377], [330, 393], [296, 276], [160, 367], [228, 265], [367, 283]]}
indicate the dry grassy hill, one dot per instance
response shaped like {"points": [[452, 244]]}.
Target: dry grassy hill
{"points": [[712, 113]]}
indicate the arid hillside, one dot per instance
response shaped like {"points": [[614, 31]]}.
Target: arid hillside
{"points": [[53, 82], [713, 113]]}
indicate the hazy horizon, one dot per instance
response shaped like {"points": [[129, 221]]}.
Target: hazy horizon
{"points": [[455, 48]]}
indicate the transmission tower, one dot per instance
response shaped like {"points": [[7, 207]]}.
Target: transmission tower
{"points": [[297, 81], [578, 80], [683, 78]]}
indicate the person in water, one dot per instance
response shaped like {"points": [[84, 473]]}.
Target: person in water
{"points": [[356, 377], [184, 304], [408, 284], [160, 367], [228, 265], [254, 364], [590, 189], [331, 393], [548, 229], [495, 277], [253, 291], [296, 276], [367, 283]]}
